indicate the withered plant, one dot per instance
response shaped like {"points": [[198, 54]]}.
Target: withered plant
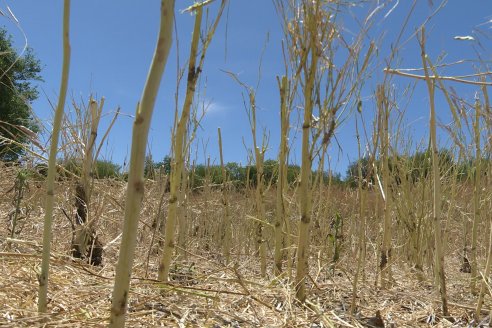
{"points": [[314, 40], [179, 137], [135, 189]]}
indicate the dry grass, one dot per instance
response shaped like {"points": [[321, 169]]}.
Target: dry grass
{"points": [[203, 291]]}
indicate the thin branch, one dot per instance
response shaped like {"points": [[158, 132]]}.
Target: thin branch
{"points": [[433, 77]]}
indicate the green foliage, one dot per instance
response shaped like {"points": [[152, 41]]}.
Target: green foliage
{"points": [[336, 236], [353, 172], [336, 178], [151, 168], [107, 169], [103, 169], [467, 170], [270, 171], [16, 94], [420, 164], [293, 172], [21, 184], [237, 174], [73, 166], [202, 173], [414, 168]]}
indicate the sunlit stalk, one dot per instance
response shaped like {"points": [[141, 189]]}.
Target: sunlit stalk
{"points": [[50, 180], [226, 228], [280, 219], [135, 189], [436, 200]]}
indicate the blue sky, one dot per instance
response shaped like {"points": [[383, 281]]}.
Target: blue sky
{"points": [[113, 41]]}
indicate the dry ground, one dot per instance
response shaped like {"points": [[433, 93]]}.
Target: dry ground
{"points": [[204, 291]]}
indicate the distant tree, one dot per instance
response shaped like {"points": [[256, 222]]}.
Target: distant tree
{"points": [[16, 94], [166, 164], [293, 172], [270, 170], [149, 167], [152, 169], [421, 163], [335, 177], [353, 172], [236, 172], [250, 174]]}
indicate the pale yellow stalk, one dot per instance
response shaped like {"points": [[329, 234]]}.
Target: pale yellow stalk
{"points": [[385, 261], [281, 218], [476, 203], [50, 180], [476, 199], [305, 191], [135, 190], [436, 212], [177, 167], [226, 226], [194, 71]]}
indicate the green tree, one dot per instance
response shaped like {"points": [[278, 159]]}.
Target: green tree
{"points": [[293, 172], [270, 169], [353, 172], [16, 94]]}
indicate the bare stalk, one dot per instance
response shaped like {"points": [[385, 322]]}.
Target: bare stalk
{"points": [[476, 199], [179, 146], [436, 213], [305, 191], [259, 194], [86, 243], [313, 39], [226, 228], [385, 261], [476, 202], [281, 217], [50, 180], [135, 189], [361, 231]]}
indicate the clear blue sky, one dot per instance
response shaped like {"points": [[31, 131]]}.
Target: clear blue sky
{"points": [[113, 41]]}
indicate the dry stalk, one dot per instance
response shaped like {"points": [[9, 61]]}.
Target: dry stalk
{"points": [[180, 133], [281, 219], [226, 222], [135, 189], [477, 194], [439, 255], [386, 249], [50, 180]]}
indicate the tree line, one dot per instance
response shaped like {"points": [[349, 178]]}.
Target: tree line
{"points": [[413, 168]]}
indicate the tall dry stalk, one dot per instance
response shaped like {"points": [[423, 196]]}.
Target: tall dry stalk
{"points": [[476, 194], [476, 199], [384, 113], [281, 219], [310, 53], [178, 163], [135, 191], [361, 228], [226, 234], [259, 155], [179, 146], [50, 180], [436, 177], [313, 40], [85, 243], [259, 158]]}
